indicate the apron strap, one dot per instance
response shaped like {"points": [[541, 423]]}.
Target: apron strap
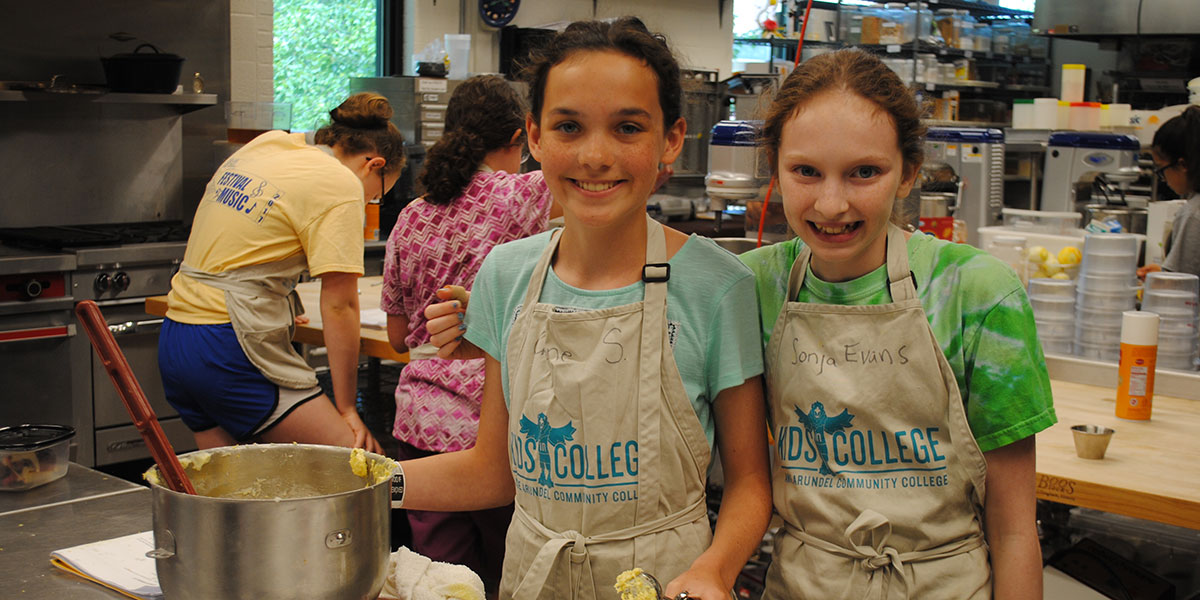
{"points": [[251, 279], [866, 542], [650, 406], [538, 278], [900, 278], [561, 549], [423, 352]]}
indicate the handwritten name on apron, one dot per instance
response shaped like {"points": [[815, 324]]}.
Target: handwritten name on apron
{"points": [[846, 355], [611, 345]]}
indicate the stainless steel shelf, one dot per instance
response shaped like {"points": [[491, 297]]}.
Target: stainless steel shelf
{"points": [[182, 102], [946, 123]]}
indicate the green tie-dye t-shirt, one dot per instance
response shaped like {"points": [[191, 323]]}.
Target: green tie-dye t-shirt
{"points": [[977, 310]]}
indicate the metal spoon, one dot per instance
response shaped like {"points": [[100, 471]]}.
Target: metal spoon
{"points": [[658, 591]]}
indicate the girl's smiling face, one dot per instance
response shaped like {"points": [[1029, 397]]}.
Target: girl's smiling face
{"points": [[840, 173], [601, 137]]}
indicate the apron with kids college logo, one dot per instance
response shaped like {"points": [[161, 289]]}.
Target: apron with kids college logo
{"points": [[608, 456], [878, 477]]}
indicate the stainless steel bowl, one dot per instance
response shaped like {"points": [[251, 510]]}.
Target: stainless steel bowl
{"points": [[318, 531], [1132, 220]]}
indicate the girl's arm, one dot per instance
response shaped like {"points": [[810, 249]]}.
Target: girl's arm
{"points": [[1010, 521], [741, 418], [472, 479], [397, 330], [340, 320]]}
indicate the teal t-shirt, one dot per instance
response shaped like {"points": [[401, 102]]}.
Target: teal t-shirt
{"points": [[977, 310], [712, 314]]}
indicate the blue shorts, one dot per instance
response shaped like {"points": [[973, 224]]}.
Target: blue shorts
{"points": [[210, 381]]}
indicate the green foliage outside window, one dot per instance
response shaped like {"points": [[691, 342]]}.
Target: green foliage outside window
{"points": [[319, 46]]}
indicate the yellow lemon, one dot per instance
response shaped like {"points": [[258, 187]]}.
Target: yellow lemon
{"points": [[1037, 254], [1052, 267], [1060, 275], [1069, 256]]}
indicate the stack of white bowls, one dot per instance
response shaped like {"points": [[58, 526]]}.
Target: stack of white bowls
{"points": [[1106, 287], [1053, 302], [1175, 297]]}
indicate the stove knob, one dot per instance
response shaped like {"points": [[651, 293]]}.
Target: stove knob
{"points": [[33, 289], [102, 283], [120, 282]]}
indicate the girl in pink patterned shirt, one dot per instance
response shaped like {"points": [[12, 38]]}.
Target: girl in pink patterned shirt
{"points": [[476, 198]]}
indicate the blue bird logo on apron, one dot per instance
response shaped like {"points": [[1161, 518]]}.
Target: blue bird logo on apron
{"points": [[817, 424], [544, 435]]}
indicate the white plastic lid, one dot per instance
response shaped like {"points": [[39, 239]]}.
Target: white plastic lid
{"points": [[1139, 328]]}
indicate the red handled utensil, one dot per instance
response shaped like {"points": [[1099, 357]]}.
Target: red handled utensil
{"points": [[132, 395]]}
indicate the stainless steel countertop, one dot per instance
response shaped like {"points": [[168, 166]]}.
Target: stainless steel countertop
{"points": [[79, 484], [16, 261], [85, 506]]}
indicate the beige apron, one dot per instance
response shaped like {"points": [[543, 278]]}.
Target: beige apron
{"points": [[608, 456], [878, 477], [262, 303]]}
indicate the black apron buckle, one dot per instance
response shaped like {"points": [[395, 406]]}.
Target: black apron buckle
{"points": [[661, 272]]}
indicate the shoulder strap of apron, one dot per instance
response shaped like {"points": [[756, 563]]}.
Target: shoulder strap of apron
{"points": [[900, 281]]}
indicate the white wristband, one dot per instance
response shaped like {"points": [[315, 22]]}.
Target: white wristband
{"points": [[398, 487]]}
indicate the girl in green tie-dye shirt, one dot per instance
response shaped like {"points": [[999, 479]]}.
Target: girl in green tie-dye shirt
{"points": [[844, 139]]}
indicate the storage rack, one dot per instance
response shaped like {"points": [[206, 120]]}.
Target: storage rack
{"points": [[1037, 68]]}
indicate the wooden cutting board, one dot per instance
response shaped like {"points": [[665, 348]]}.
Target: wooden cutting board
{"points": [[1151, 469]]}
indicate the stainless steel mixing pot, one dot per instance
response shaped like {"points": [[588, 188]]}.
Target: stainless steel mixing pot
{"points": [[312, 530]]}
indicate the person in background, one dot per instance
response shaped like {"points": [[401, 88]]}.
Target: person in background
{"points": [[1176, 153], [905, 381], [617, 351], [276, 208], [476, 197]]}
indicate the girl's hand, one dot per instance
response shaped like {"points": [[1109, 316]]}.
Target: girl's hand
{"points": [[699, 583], [362, 436], [445, 324]]}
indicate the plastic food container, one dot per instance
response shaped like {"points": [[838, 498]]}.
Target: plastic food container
{"points": [[1110, 263], [1173, 302], [1121, 243], [1104, 352], [1166, 280], [1176, 344], [1052, 346], [1118, 300], [1051, 288], [1106, 283], [33, 455], [1040, 220], [1052, 308], [1055, 329]]}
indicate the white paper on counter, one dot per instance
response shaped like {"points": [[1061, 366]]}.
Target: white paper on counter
{"points": [[120, 564], [374, 318]]}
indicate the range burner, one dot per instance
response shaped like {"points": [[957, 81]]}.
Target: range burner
{"points": [[86, 236]]}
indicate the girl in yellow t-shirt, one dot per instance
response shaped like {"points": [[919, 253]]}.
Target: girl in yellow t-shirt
{"points": [[276, 208]]}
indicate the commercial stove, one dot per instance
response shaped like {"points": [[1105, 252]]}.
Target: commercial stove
{"points": [[46, 362]]}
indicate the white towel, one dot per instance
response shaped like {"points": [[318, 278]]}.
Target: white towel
{"points": [[412, 576]]}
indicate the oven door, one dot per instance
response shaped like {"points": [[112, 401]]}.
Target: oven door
{"points": [[136, 332], [39, 343]]}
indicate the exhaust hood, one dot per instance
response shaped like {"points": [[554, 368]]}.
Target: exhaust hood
{"points": [[1112, 18]]}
